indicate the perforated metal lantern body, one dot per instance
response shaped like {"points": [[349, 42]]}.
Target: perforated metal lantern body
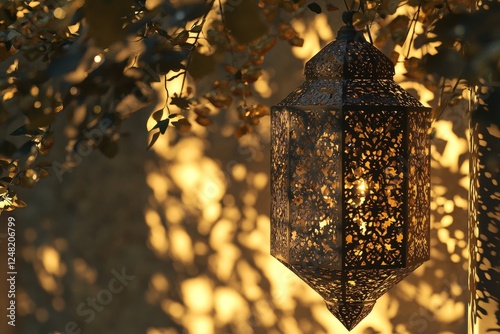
{"points": [[350, 178]]}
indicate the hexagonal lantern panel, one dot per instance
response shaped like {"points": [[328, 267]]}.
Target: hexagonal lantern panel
{"points": [[350, 178]]}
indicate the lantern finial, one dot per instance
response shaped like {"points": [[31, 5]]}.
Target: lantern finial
{"points": [[348, 32], [347, 17], [350, 314]]}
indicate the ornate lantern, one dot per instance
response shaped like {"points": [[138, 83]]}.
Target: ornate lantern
{"points": [[350, 177]]}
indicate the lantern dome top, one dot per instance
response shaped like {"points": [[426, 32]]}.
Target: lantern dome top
{"points": [[350, 56], [349, 72]]}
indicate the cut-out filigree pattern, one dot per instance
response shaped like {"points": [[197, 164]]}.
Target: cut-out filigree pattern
{"points": [[350, 288], [418, 171], [279, 190], [349, 60], [350, 179], [337, 93], [315, 188], [373, 206]]}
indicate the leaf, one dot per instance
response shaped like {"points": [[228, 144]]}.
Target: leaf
{"points": [[197, 28], [170, 61], [440, 63], [77, 16], [414, 68], [24, 131], [331, 8], [388, 7], [153, 140], [25, 149], [296, 41], [20, 204], [67, 61], [47, 143], [358, 19], [245, 20], [43, 173], [39, 119], [109, 147], [203, 120], [394, 57], [202, 111], [187, 46], [104, 20], [6, 201], [6, 181], [286, 31], [420, 40], [241, 131], [230, 69], [399, 29], [4, 114], [157, 115], [412, 64], [7, 148], [314, 7], [201, 65], [162, 125], [180, 102], [183, 125], [219, 98], [181, 38]]}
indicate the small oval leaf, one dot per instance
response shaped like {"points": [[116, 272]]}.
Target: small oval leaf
{"points": [[153, 140], [314, 7]]}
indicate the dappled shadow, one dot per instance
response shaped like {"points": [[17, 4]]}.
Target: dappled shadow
{"points": [[485, 216], [197, 243]]}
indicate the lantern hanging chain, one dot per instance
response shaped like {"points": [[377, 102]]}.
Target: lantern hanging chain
{"points": [[347, 6], [350, 9], [414, 21]]}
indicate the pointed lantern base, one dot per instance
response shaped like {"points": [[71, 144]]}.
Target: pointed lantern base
{"points": [[350, 314]]}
